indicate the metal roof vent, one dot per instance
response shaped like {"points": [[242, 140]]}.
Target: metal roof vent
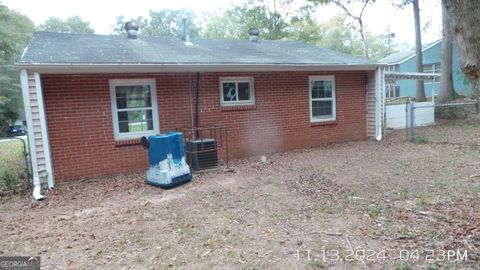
{"points": [[184, 29], [132, 29], [254, 33]]}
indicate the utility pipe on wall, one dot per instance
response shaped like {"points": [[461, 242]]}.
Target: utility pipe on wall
{"points": [[196, 134], [190, 98]]}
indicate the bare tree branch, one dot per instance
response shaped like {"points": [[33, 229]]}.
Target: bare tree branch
{"points": [[359, 20], [349, 13], [363, 8]]}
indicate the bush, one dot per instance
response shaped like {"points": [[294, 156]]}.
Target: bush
{"points": [[9, 181], [451, 113]]}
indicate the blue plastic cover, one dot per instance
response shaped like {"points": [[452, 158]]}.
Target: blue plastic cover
{"points": [[163, 144]]}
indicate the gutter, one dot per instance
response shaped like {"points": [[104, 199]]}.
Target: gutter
{"points": [[379, 103], [31, 141], [66, 68]]}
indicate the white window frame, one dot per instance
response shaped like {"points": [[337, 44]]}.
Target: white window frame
{"points": [[434, 67], [237, 80], [333, 99], [153, 96], [390, 88]]}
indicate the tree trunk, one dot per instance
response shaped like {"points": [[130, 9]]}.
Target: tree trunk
{"points": [[463, 15], [447, 93], [362, 36], [420, 90]]}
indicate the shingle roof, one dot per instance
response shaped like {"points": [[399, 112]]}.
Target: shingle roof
{"points": [[59, 48], [396, 57], [402, 56]]}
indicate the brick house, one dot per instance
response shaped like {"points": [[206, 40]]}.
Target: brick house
{"points": [[89, 98]]}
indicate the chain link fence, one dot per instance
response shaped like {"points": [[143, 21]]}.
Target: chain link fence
{"points": [[456, 123], [14, 165]]}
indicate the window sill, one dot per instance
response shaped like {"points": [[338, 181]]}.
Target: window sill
{"points": [[127, 142], [239, 107], [323, 123]]}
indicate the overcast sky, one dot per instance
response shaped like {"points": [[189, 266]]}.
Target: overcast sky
{"points": [[101, 14]]}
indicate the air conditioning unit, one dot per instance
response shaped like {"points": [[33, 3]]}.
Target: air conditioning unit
{"points": [[203, 154]]}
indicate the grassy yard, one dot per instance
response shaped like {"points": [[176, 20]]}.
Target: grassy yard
{"points": [[12, 163], [359, 205]]}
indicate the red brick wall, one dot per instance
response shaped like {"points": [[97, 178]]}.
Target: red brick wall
{"points": [[81, 133]]}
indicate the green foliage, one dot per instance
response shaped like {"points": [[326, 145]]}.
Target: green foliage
{"points": [[13, 169], [463, 78], [72, 25], [9, 180], [15, 32], [306, 29], [451, 113], [10, 103], [403, 266], [376, 210], [419, 139], [432, 266], [165, 22], [337, 34], [235, 21]]}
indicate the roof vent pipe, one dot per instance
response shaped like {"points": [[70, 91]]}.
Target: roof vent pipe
{"points": [[184, 29], [132, 29], [254, 33]]}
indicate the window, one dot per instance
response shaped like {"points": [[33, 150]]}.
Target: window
{"points": [[431, 68], [134, 108], [322, 98], [236, 91], [392, 68], [392, 90]]}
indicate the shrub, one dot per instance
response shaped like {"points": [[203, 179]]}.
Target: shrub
{"points": [[9, 181], [12, 182], [451, 113]]}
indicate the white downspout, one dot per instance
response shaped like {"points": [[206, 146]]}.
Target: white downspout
{"points": [[37, 189], [31, 140], [378, 103], [44, 129]]}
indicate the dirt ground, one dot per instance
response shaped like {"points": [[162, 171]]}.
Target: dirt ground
{"points": [[359, 205]]}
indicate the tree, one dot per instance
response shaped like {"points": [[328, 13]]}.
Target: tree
{"points": [[16, 31], [72, 25], [464, 17], [306, 29], [270, 17], [222, 26], [165, 22], [447, 93], [420, 92], [420, 89], [357, 18], [337, 34]]}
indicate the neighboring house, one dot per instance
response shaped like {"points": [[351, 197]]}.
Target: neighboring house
{"points": [[432, 57], [90, 98]]}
